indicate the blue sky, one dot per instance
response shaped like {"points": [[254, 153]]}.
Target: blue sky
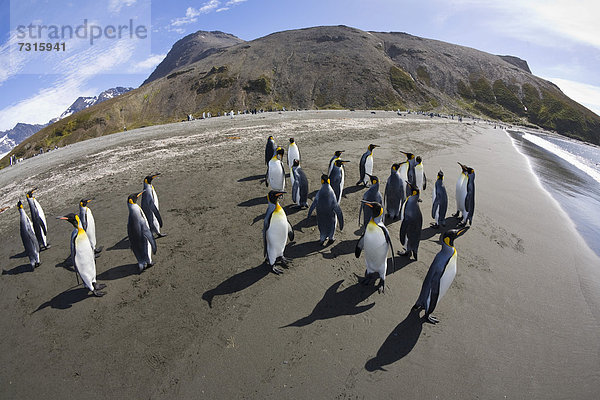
{"points": [[559, 39]]}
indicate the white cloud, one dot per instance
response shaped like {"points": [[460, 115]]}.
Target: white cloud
{"points": [[534, 20], [222, 9], [234, 2], [147, 64], [587, 95], [192, 14], [114, 6]]}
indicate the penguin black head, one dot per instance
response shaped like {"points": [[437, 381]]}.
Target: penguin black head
{"points": [[296, 163], [395, 167], [419, 159], [271, 138], [149, 178], [377, 208], [374, 180], [274, 196], [338, 153], [409, 156], [19, 204], [84, 202], [72, 218], [440, 174], [133, 197], [449, 236], [279, 152], [470, 170], [30, 193], [413, 190], [291, 140], [324, 179], [464, 167], [340, 163], [372, 146]]}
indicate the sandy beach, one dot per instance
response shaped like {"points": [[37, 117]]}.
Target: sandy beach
{"points": [[521, 319]]}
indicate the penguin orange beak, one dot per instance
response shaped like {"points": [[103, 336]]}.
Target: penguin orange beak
{"points": [[65, 218], [155, 175], [139, 194], [462, 231]]}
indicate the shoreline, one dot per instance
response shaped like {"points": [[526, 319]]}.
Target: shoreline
{"points": [[521, 317]]}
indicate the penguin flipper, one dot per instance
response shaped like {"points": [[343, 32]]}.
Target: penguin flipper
{"points": [[436, 205], [360, 213], [359, 246], [424, 180], [294, 189], [313, 205], [157, 214], [340, 216], [435, 292], [290, 232], [388, 239], [266, 226], [148, 235]]}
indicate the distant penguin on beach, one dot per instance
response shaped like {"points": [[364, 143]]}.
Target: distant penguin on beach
{"points": [[150, 206], [329, 213], [336, 156], [88, 223], [461, 192], [38, 218], [275, 176], [365, 167], [82, 256], [440, 275], [371, 196], [337, 177], [141, 240], [375, 242], [270, 149], [469, 198], [412, 223], [276, 231], [440, 202], [300, 186], [30, 243], [394, 194]]}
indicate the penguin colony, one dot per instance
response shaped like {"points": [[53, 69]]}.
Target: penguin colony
{"points": [[144, 222], [400, 201]]}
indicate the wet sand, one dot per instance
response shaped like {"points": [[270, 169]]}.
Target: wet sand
{"points": [[521, 319]]}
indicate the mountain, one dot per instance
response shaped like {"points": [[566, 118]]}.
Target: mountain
{"points": [[330, 67], [192, 48], [11, 138]]}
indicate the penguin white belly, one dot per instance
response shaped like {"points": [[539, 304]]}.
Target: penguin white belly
{"points": [[277, 236], [375, 249], [341, 185], [42, 216], [404, 172], [293, 154], [461, 193], [84, 259], [91, 227], [419, 176], [447, 276], [276, 175], [155, 198], [368, 167], [296, 194]]}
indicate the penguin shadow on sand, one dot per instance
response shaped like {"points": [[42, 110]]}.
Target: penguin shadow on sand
{"points": [[257, 201], [237, 282], [122, 244], [352, 189], [399, 342], [306, 223], [119, 272], [341, 248], [430, 231], [336, 304], [66, 299], [67, 264], [299, 250], [252, 178], [21, 269]]}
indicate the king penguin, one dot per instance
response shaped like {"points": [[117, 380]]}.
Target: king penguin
{"points": [[88, 223], [276, 231], [365, 167], [408, 169], [329, 213], [270, 149], [82, 256], [440, 202], [275, 176], [394, 192], [376, 243], [461, 192], [141, 240], [150, 206], [337, 177], [420, 178], [440, 275], [336, 156], [469, 198], [412, 222], [292, 154], [30, 243], [300, 186], [371, 195], [38, 218]]}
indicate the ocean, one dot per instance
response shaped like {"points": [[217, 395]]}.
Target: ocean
{"points": [[569, 170]]}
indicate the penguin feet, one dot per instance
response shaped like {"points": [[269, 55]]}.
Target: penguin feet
{"points": [[98, 286], [275, 270], [46, 247], [98, 250], [434, 225], [285, 262], [330, 241], [417, 308], [405, 253], [149, 265], [461, 224], [37, 264], [381, 287], [456, 214], [431, 319], [98, 293], [97, 255], [160, 235]]}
